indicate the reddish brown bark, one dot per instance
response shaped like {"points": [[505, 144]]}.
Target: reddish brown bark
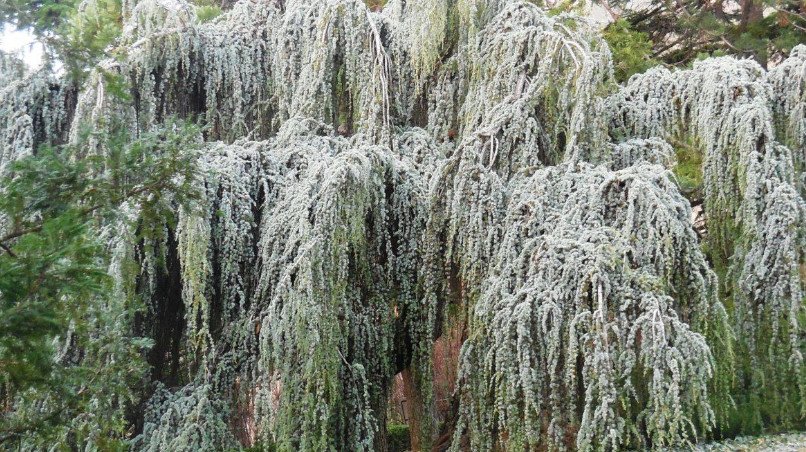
{"points": [[417, 411]]}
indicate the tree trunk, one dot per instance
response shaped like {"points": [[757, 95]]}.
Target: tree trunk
{"points": [[419, 413]]}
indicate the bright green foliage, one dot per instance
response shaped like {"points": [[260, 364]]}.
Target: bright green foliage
{"points": [[91, 30], [69, 365], [207, 13], [398, 438], [632, 50], [689, 170], [56, 262]]}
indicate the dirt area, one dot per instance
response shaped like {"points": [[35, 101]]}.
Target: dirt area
{"points": [[788, 442]]}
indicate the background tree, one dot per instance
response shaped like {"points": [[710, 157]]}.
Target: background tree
{"points": [[72, 32], [680, 31], [68, 366], [632, 50]]}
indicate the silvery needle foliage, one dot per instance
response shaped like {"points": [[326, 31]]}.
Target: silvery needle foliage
{"points": [[355, 162]]}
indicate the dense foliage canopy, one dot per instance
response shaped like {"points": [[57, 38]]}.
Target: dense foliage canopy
{"points": [[357, 178]]}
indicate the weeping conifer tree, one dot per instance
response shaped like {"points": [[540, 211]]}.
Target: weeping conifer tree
{"points": [[362, 171], [755, 214]]}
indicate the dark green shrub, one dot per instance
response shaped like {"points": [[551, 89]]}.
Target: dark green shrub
{"points": [[398, 437]]}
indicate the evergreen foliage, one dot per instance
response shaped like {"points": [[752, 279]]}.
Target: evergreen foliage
{"points": [[681, 32], [755, 215], [632, 50], [70, 365], [361, 172]]}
